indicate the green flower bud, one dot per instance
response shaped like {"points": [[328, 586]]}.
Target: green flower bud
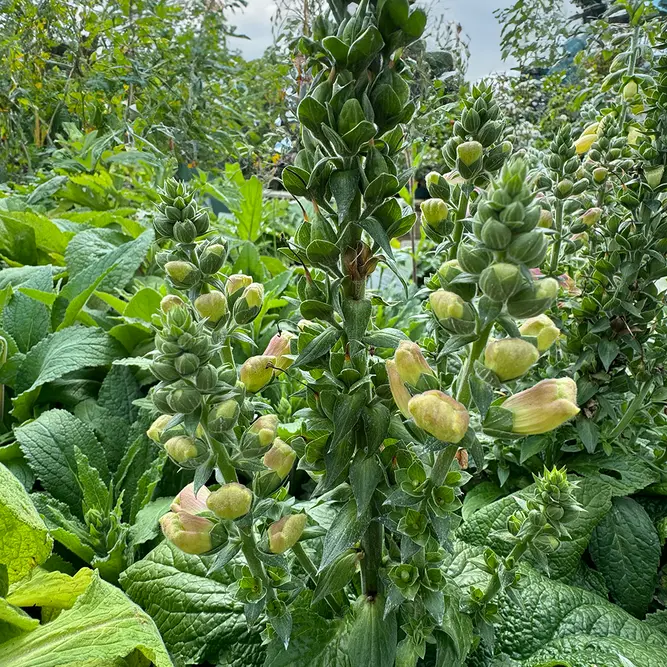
{"points": [[529, 248], [510, 358], [591, 216], [495, 235], [159, 398], [261, 433], [546, 219], [182, 274], [249, 304], [533, 299], [171, 301], [446, 304], [181, 448], [447, 272], [206, 378], [212, 259], [163, 369], [157, 427], [543, 407], [410, 362], [543, 329], [473, 259], [285, 533], [188, 532], [469, 152], [256, 372], [434, 211], [437, 185], [440, 415], [186, 364], [223, 417], [630, 90], [500, 281], [184, 399], [212, 306], [184, 231], [280, 458], [654, 175], [231, 501], [398, 389], [237, 282], [600, 174]]}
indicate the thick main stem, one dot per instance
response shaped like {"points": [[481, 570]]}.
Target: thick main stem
{"points": [[372, 543], [463, 388], [555, 251]]}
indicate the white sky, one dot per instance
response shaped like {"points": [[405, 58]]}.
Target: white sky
{"points": [[476, 17]]}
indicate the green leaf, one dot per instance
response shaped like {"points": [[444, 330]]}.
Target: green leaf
{"points": [[101, 627], [372, 639], [55, 356], [95, 493], [549, 623], [197, 615], [143, 304], [365, 475], [321, 344], [146, 526], [77, 304], [336, 576], [249, 214], [346, 413], [346, 529], [479, 496], [626, 549], [16, 617], [24, 539], [588, 433], [607, 351], [594, 496], [49, 444], [49, 589], [624, 473], [146, 485], [389, 338], [344, 188]]}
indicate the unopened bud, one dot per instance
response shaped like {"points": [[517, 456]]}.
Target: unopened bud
{"points": [[182, 274], [600, 174], [437, 185], [510, 358], [446, 304], [543, 407], [280, 458], [500, 281], [157, 428], [546, 219], [591, 216], [285, 533], [630, 91], [236, 282], [654, 175], [265, 429], [410, 362], [584, 142], [188, 501], [191, 534], [223, 417], [171, 301], [434, 211], [469, 152], [440, 415], [542, 329], [212, 306], [399, 391], [249, 304], [256, 372], [181, 448], [279, 347], [184, 399], [212, 258], [231, 501]]}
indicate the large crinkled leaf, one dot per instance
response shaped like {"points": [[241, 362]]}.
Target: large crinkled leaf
{"points": [[551, 623], [624, 473], [58, 354], [625, 548], [197, 615], [42, 588], [24, 539], [16, 617], [102, 627], [48, 443], [594, 496]]}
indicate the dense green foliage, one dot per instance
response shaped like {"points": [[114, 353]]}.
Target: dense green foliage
{"points": [[332, 430]]}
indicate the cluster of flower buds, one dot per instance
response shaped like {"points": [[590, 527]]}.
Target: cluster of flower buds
{"points": [[413, 385], [477, 144], [256, 372], [178, 216]]}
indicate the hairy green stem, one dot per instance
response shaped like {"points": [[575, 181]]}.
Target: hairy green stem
{"points": [[463, 386], [636, 404], [249, 548], [555, 250], [222, 459], [632, 64], [457, 234]]}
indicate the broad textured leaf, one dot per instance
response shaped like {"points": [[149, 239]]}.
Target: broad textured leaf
{"points": [[372, 637], [49, 442], [24, 539], [249, 214], [197, 615], [625, 548], [146, 526], [61, 353], [16, 617], [479, 496], [103, 626], [593, 495], [49, 589]]}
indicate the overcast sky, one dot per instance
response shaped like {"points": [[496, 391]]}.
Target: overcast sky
{"points": [[476, 17]]}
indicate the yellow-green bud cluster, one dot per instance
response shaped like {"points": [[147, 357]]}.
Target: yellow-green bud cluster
{"points": [[179, 217]]}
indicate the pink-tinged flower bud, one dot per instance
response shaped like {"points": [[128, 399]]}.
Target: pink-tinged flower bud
{"points": [[212, 306], [440, 415], [188, 501], [469, 152], [190, 533], [543, 407], [236, 282], [584, 142], [230, 501], [157, 428], [543, 329], [279, 347], [171, 301], [591, 216], [568, 285], [280, 458], [285, 533], [446, 304], [181, 448], [399, 391], [510, 358], [265, 428], [256, 372], [410, 362], [546, 219]]}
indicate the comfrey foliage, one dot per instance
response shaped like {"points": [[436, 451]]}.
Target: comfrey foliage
{"points": [[383, 442]]}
